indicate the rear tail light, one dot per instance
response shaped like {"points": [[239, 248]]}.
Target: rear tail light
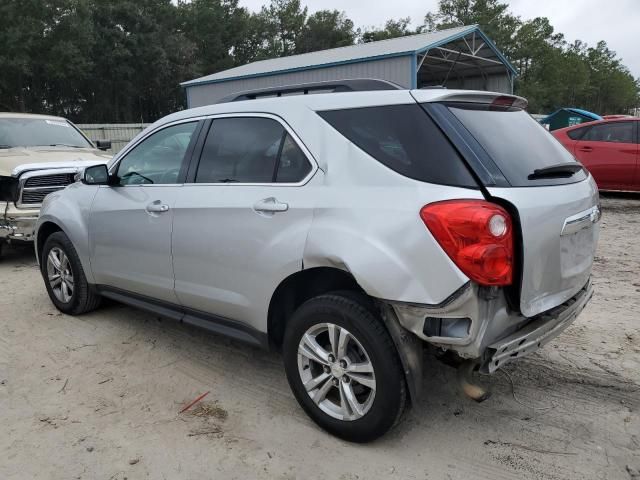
{"points": [[477, 236]]}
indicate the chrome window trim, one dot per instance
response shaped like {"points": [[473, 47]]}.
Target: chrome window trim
{"points": [[309, 156], [305, 151]]}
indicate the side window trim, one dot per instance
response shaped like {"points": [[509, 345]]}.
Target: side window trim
{"points": [[197, 156], [185, 160], [276, 167], [194, 161]]}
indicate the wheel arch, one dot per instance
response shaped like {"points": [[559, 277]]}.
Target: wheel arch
{"points": [[45, 230], [299, 287], [303, 285]]}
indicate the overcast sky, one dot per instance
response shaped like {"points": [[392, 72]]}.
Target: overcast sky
{"points": [[614, 21]]}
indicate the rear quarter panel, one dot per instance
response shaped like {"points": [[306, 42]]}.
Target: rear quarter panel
{"points": [[367, 222]]}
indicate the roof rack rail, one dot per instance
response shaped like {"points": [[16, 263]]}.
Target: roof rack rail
{"points": [[331, 86]]}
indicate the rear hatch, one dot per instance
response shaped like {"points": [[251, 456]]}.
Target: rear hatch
{"points": [[523, 167]]}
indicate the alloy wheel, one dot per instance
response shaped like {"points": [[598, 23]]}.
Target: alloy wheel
{"points": [[336, 371], [60, 275]]}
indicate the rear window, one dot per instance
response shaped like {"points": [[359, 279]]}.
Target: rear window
{"points": [[613, 132], [405, 139], [577, 133], [515, 142]]}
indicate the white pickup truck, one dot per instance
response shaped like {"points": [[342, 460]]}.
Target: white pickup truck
{"points": [[39, 154]]}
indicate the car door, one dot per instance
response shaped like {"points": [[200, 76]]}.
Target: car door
{"points": [[240, 226], [131, 220], [609, 151], [636, 181]]}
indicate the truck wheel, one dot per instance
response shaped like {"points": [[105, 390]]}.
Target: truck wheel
{"points": [[343, 367], [64, 277]]}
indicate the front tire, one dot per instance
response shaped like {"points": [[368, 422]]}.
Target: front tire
{"points": [[64, 277], [343, 368]]}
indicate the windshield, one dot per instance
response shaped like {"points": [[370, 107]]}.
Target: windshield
{"points": [[516, 143], [38, 132]]}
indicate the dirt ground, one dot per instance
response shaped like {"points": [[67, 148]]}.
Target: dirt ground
{"points": [[98, 396]]}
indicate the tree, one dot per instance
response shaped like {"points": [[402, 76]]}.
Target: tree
{"points": [[123, 60], [326, 29], [492, 16], [392, 29], [552, 73], [283, 22]]}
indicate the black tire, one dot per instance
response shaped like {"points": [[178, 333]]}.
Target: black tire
{"points": [[353, 312], [83, 298]]}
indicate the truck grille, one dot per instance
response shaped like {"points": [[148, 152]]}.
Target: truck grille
{"points": [[61, 179], [35, 188]]}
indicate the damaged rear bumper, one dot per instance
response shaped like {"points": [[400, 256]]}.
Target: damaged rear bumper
{"points": [[537, 333], [476, 323]]}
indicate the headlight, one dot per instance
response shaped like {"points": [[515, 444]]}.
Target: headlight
{"points": [[8, 189]]}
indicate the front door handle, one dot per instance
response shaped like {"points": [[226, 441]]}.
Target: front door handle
{"points": [[270, 206], [157, 207], [586, 149]]}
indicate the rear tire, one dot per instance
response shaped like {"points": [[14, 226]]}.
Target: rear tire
{"points": [[64, 277], [355, 385]]}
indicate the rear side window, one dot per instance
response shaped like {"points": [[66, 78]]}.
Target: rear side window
{"points": [[577, 133], [250, 150], [405, 139], [615, 132], [515, 142]]}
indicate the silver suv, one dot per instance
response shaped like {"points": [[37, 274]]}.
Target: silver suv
{"points": [[347, 229]]}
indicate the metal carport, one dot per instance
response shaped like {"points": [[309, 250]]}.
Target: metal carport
{"points": [[460, 57]]}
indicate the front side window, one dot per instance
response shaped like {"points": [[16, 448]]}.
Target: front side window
{"points": [[615, 132], [250, 150], [157, 159]]}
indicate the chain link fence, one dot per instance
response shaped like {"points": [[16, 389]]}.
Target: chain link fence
{"points": [[119, 133]]}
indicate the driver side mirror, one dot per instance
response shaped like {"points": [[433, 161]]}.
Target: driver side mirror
{"points": [[96, 175], [103, 144]]}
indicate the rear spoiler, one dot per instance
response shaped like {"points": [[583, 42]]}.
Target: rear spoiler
{"points": [[490, 98]]}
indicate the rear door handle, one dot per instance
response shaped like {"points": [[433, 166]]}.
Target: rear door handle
{"points": [[157, 207], [586, 149], [270, 206]]}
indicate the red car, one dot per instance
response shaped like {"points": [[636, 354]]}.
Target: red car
{"points": [[609, 149]]}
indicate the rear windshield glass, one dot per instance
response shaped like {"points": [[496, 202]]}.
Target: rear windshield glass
{"points": [[516, 143], [406, 140]]}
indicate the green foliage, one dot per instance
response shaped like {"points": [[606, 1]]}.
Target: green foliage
{"points": [[123, 60], [392, 29], [552, 72], [326, 29]]}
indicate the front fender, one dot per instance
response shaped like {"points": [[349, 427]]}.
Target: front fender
{"points": [[69, 210]]}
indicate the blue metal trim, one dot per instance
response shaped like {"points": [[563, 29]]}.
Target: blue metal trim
{"points": [[411, 53], [466, 32], [192, 83], [414, 71], [493, 47]]}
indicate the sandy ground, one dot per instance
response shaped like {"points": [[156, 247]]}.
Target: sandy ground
{"points": [[98, 396]]}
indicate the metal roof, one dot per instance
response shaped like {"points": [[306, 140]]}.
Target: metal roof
{"points": [[409, 45]]}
